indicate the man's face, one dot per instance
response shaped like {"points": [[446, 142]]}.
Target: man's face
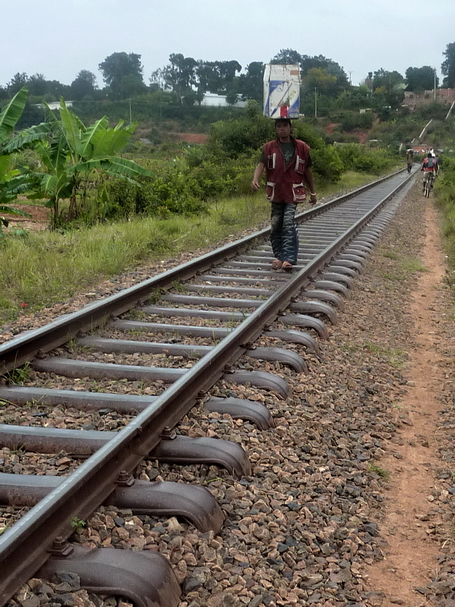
{"points": [[283, 130]]}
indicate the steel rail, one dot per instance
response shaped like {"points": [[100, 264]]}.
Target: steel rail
{"points": [[99, 475], [23, 348]]}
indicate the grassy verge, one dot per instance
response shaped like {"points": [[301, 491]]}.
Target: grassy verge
{"points": [[444, 192], [41, 268]]}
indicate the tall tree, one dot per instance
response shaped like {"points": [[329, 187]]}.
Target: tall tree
{"points": [[207, 77], [319, 78], [180, 75], [228, 71], [389, 81], [37, 85], [83, 85], [448, 65], [287, 56], [251, 84], [388, 90], [419, 79], [158, 80], [307, 62], [17, 82], [118, 66]]}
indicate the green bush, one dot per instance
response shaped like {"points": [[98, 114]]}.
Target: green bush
{"points": [[177, 187], [355, 120], [327, 164], [236, 137], [365, 160]]}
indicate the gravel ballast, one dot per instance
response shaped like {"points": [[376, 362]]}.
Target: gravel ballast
{"points": [[302, 528]]}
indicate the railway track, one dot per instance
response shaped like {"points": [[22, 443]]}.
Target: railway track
{"points": [[192, 326]]}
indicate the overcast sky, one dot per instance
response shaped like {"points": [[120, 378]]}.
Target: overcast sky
{"points": [[59, 38]]}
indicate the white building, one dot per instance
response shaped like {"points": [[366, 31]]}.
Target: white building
{"points": [[214, 100], [54, 105]]}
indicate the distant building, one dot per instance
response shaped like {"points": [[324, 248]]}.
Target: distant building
{"points": [[54, 105], [213, 100], [420, 149]]}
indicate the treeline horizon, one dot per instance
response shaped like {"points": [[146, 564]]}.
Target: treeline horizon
{"points": [[189, 80]]}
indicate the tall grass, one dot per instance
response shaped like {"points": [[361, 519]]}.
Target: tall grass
{"points": [[41, 268], [445, 198]]}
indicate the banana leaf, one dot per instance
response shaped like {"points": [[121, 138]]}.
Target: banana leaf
{"points": [[27, 137], [92, 138], [14, 185], [13, 211], [72, 127], [11, 114], [113, 165]]}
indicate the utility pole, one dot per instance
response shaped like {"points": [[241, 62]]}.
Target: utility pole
{"points": [[315, 102], [434, 84], [129, 101]]}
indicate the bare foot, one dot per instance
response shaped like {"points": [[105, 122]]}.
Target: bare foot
{"points": [[276, 264]]}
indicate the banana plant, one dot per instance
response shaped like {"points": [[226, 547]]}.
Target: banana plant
{"points": [[71, 153], [12, 182]]}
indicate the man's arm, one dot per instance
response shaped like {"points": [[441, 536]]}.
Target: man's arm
{"points": [[309, 181], [257, 175]]}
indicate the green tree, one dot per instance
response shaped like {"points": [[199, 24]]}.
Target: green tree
{"points": [[419, 79], [251, 85], [287, 56], [157, 80], [70, 153], [329, 66], [448, 65], [17, 82], [307, 63], [120, 67], [202, 76], [354, 99], [227, 71], [210, 77], [388, 91], [180, 75], [37, 85], [390, 81], [207, 76], [83, 85], [318, 78]]}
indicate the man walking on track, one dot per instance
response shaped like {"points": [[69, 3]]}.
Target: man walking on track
{"points": [[287, 163]]}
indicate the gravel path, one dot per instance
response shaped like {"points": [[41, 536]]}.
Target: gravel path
{"points": [[308, 525]]}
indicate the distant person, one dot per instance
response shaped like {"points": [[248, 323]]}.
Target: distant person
{"points": [[429, 165], [409, 159], [287, 163], [437, 163], [429, 168]]}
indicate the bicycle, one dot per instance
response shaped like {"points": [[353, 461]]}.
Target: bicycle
{"points": [[428, 181]]}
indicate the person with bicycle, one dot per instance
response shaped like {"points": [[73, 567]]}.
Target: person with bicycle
{"points": [[429, 169]]}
